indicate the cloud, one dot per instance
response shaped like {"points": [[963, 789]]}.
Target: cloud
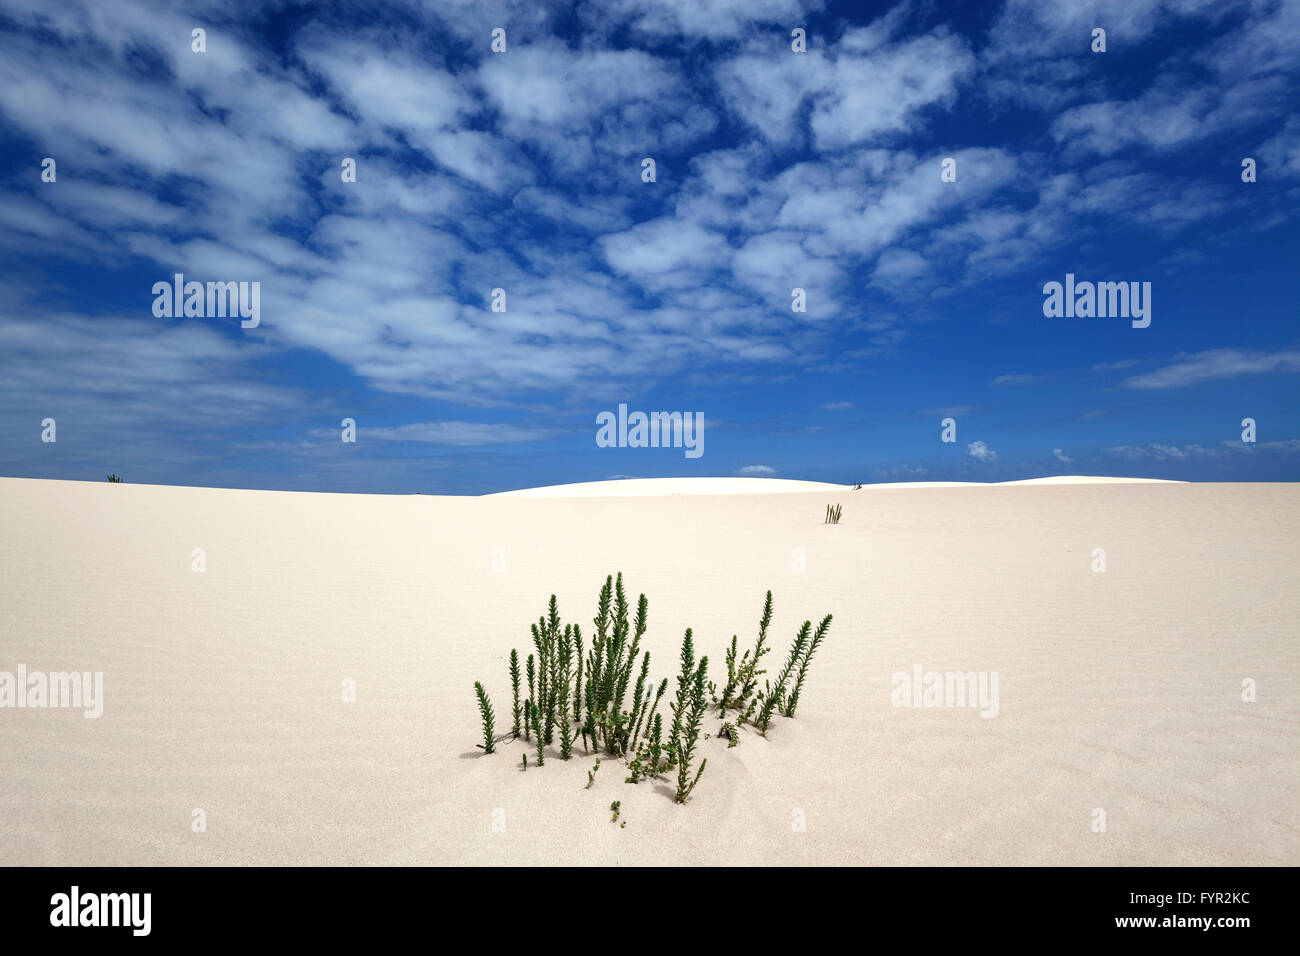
{"points": [[1014, 379], [837, 406], [1281, 154], [952, 411], [1062, 457], [454, 433], [757, 470], [982, 452], [708, 19], [1161, 452], [1217, 364], [856, 90]]}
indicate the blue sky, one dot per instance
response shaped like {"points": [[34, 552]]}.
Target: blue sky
{"points": [[522, 171]]}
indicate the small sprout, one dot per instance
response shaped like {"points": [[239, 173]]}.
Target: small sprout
{"points": [[833, 514], [541, 742], [614, 806], [525, 756], [591, 774], [485, 710]]}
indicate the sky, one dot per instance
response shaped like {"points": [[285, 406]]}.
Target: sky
{"points": [[921, 171]]}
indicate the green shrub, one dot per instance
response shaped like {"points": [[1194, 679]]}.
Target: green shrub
{"points": [[485, 711]]}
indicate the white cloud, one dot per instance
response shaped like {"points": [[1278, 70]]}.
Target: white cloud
{"points": [[1062, 457], [757, 470], [1014, 380], [982, 452], [454, 433], [857, 90], [1217, 364]]}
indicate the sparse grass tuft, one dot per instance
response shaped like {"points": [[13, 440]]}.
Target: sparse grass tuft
{"points": [[514, 685], [774, 694], [485, 711], [833, 514], [820, 634], [584, 695], [688, 712], [115, 479], [541, 743]]}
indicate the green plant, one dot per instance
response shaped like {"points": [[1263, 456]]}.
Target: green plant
{"points": [[541, 743], [584, 694], [688, 712], [115, 479], [614, 647], [774, 694], [650, 714], [577, 681], [822, 628], [833, 514], [743, 675], [485, 710], [649, 759], [565, 654], [514, 685], [615, 807], [528, 708]]}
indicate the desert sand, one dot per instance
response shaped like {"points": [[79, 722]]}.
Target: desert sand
{"points": [[1119, 690]]}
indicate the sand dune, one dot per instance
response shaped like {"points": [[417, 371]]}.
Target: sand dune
{"points": [[1119, 690], [637, 487]]}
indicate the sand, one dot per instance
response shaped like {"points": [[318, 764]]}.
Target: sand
{"points": [[1119, 690]]}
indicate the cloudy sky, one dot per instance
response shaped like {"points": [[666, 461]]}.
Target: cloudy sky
{"points": [[523, 171]]}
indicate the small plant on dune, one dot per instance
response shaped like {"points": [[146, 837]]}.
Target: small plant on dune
{"points": [[528, 707], [649, 760], [833, 514], [577, 681], [774, 694], [514, 685], [820, 634], [614, 648], [114, 479], [615, 808], [485, 710], [652, 715], [565, 653], [743, 675], [604, 692], [541, 744], [688, 712]]}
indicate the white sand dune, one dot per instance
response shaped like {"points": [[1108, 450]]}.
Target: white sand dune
{"points": [[1119, 690], [645, 487], [637, 487]]}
